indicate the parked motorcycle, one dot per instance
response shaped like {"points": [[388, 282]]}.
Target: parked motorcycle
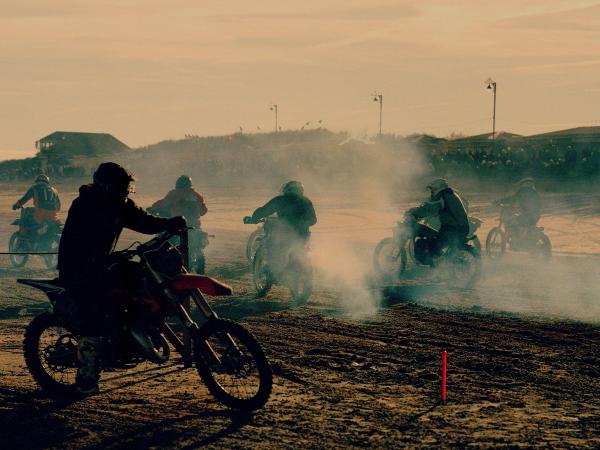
{"points": [[33, 237], [411, 246], [227, 357], [292, 269], [508, 235]]}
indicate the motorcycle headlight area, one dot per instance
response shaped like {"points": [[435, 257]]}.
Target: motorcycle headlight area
{"points": [[165, 259]]}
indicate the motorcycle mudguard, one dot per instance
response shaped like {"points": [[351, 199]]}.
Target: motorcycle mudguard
{"points": [[206, 285]]}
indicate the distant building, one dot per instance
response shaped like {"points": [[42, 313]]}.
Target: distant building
{"points": [[69, 144]]}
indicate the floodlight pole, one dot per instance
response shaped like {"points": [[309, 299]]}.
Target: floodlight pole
{"points": [[274, 108], [492, 85], [379, 98]]}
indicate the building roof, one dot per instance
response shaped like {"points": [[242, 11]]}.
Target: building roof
{"points": [[485, 137], [579, 132], [80, 143]]}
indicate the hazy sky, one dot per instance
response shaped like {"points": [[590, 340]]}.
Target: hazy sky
{"points": [[147, 70]]}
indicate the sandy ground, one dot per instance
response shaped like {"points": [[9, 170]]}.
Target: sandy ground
{"points": [[523, 348]]}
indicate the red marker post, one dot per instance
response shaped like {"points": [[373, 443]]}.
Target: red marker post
{"points": [[443, 386]]}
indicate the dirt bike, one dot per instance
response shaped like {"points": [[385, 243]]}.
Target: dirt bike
{"points": [[253, 242], [294, 270], [228, 358], [532, 240], [32, 237], [460, 266], [198, 241]]}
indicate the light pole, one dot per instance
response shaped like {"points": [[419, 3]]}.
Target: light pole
{"points": [[379, 98], [491, 84], [274, 108]]}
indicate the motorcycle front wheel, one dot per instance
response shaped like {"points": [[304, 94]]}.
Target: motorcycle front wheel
{"points": [[261, 274], [18, 244], [52, 247], [495, 243], [232, 364], [389, 259], [253, 242]]}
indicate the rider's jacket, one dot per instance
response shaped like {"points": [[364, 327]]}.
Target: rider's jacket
{"points": [[528, 201], [450, 209], [45, 200], [182, 202], [91, 231], [297, 211]]}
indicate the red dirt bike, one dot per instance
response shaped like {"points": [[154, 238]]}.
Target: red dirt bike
{"points": [[411, 246], [532, 240], [293, 268], [228, 358], [34, 237]]}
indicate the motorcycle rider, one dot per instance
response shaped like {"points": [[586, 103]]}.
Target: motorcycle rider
{"points": [[529, 205], [447, 205], [181, 201], [94, 223], [45, 198], [296, 215], [185, 201]]}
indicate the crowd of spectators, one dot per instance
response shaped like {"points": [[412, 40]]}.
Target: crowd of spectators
{"points": [[510, 162]]}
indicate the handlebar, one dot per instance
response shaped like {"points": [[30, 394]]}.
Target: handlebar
{"points": [[154, 242]]}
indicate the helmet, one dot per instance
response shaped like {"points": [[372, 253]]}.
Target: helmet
{"points": [[114, 179], [437, 185], [41, 178], [183, 182], [292, 187], [525, 181]]}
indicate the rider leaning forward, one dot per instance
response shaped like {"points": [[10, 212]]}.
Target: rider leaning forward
{"points": [[447, 205], [528, 202], [45, 198], [296, 215], [94, 223]]}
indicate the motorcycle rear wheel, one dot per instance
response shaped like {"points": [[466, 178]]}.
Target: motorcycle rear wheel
{"points": [[300, 283], [233, 365], [465, 265], [50, 352], [17, 244], [543, 247]]}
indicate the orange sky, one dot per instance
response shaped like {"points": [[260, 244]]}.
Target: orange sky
{"points": [[147, 70]]}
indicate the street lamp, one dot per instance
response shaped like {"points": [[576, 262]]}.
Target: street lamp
{"points": [[379, 98], [274, 108], [491, 84]]}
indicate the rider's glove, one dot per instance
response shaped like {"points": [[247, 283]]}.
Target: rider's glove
{"points": [[177, 224], [248, 220], [16, 206]]}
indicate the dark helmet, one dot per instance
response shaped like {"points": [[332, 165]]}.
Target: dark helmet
{"points": [[437, 185], [183, 182], [41, 178], [292, 187], [114, 179]]}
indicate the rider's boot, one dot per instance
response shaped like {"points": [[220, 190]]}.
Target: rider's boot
{"points": [[88, 372]]}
